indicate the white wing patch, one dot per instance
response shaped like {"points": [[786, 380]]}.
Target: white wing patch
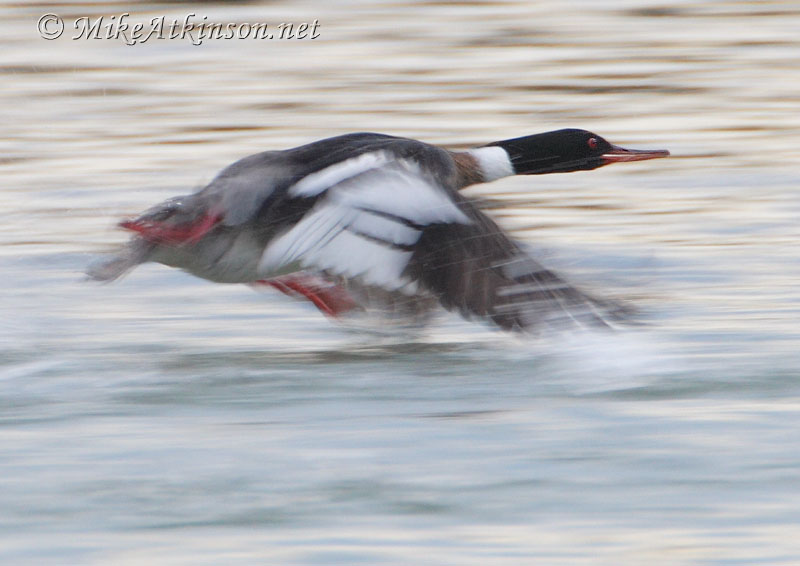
{"points": [[402, 190], [382, 228], [364, 226], [316, 183], [328, 238]]}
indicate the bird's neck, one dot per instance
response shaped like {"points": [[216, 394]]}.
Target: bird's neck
{"points": [[492, 163]]}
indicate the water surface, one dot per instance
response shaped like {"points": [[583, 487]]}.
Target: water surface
{"points": [[167, 420]]}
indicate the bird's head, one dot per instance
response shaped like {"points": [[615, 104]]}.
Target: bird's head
{"points": [[562, 151]]}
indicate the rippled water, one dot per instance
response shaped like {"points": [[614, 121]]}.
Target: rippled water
{"points": [[167, 420]]}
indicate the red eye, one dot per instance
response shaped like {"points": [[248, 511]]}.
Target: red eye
{"points": [[592, 143]]}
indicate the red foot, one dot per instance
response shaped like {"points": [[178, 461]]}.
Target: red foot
{"points": [[162, 233], [328, 298]]}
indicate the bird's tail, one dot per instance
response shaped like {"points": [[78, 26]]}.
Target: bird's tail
{"points": [[136, 251], [173, 223]]}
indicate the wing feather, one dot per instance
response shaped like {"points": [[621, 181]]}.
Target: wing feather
{"points": [[478, 270], [388, 224], [366, 226]]}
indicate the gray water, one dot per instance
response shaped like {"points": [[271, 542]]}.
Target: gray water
{"points": [[167, 420]]}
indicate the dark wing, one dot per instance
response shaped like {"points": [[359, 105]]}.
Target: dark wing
{"points": [[477, 270], [386, 222]]}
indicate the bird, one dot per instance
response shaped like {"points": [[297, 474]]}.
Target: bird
{"points": [[365, 218]]}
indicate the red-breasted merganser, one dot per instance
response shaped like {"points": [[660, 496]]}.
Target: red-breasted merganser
{"points": [[364, 211]]}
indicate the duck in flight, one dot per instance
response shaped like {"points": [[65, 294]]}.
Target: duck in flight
{"points": [[346, 219]]}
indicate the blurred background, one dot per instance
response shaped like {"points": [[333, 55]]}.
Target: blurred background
{"points": [[168, 420]]}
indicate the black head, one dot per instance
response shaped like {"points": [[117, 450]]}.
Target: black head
{"points": [[567, 150]]}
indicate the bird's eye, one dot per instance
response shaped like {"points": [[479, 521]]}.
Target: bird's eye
{"points": [[592, 143]]}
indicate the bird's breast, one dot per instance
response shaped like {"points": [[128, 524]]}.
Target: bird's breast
{"points": [[227, 255]]}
